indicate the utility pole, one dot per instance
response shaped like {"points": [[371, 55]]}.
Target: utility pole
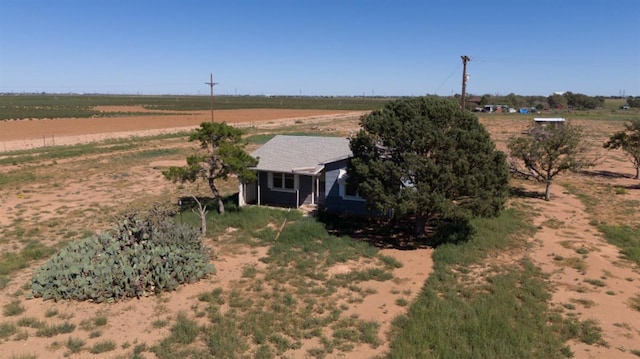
{"points": [[465, 59], [211, 83]]}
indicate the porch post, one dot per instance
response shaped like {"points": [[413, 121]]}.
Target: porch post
{"points": [[241, 191], [313, 189]]}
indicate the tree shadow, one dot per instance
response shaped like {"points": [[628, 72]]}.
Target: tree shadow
{"points": [[634, 186], [605, 174], [393, 233], [521, 192], [450, 232], [609, 175]]}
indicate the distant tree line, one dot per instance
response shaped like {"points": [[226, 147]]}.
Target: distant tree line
{"points": [[512, 100], [575, 100], [566, 100]]}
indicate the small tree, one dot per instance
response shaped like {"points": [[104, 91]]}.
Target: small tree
{"points": [[547, 152], [511, 100], [426, 159], [557, 101], [629, 141], [484, 100], [633, 101], [222, 154]]}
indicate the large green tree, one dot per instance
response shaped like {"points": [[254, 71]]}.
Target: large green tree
{"points": [[221, 154], [542, 153], [426, 159], [629, 141]]}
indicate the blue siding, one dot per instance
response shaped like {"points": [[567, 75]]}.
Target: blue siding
{"points": [[334, 202], [267, 196], [284, 198]]}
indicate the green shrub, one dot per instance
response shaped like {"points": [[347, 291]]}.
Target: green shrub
{"points": [[51, 312], [595, 282], [13, 261], [4, 281], [7, 330], [249, 271], [390, 261], [185, 331], [30, 322], [92, 323], [626, 238], [620, 190], [52, 330], [75, 345], [103, 347], [160, 323], [143, 253], [100, 320], [12, 308], [223, 338], [634, 302]]}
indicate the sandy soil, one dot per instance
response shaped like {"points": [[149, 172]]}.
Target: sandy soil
{"points": [[571, 250], [565, 232], [131, 321]]}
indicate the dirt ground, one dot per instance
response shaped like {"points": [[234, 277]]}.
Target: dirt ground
{"points": [[131, 321], [569, 248], [25, 134], [565, 231]]}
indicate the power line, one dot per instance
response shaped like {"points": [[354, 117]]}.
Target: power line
{"points": [[448, 77]]}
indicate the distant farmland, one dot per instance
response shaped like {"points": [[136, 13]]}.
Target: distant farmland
{"points": [[78, 106]]}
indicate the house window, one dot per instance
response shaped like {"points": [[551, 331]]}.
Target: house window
{"points": [[277, 180], [289, 181], [285, 181], [348, 189], [351, 189]]}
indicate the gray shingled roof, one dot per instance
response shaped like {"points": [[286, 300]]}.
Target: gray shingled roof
{"points": [[300, 153]]}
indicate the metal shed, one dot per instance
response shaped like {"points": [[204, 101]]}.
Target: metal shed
{"points": [[550, 121]]}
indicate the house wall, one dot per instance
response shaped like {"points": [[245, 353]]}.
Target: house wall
{"points": [[305, 185], [334, 202], [270, 196]]}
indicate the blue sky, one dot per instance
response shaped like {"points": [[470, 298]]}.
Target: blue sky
{"points": [[321, 47]]}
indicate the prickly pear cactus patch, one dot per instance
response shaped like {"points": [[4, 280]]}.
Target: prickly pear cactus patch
{"points": [[142, 254]]}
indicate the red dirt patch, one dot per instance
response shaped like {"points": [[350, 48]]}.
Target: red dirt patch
{"points": [[24, 134]]}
